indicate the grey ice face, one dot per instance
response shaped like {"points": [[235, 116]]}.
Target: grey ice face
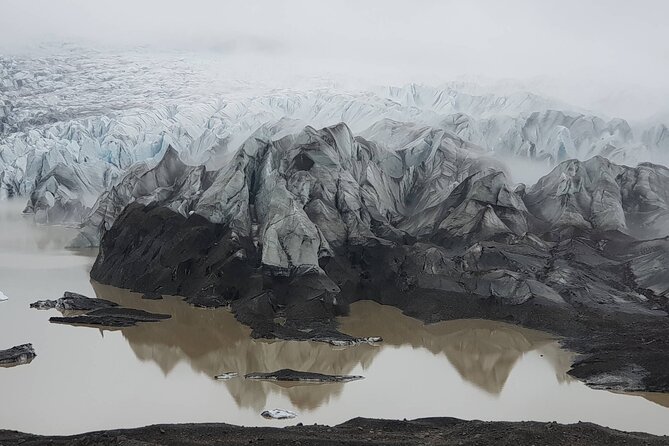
{"points": [[298, 201]]}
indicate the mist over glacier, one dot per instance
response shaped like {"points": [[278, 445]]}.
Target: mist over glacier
{"points": [[608, 56]]}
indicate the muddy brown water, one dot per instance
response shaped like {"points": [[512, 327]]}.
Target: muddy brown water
{"points": [[87, 379]]}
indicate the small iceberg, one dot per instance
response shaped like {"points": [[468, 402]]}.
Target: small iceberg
{"points": [[278, 414], [226, 375], [309, 377], [3, 297], [21, 354]]}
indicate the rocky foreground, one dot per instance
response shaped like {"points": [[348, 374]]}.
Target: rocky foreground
{"points": [[428, 431]]}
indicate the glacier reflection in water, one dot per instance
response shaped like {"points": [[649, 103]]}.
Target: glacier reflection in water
{"points": [[88, 379], [212, 341]]}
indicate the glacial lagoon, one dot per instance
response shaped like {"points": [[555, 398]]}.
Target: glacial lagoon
{"points": [[86, 379]]}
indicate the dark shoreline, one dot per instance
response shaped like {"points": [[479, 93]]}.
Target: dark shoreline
{"points": [[442, 431]]}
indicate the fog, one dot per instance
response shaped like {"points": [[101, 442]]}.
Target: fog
{"points": [[611, 56]]}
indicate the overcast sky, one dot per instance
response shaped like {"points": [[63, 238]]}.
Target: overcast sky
{"points": [[609, 54]]}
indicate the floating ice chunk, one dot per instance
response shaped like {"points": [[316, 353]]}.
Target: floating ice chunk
{"points": [[22, 354], [226, 375], [371, 340], [3, 296], [295, 375], [278, 414]]}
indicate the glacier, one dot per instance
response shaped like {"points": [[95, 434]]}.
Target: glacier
{"points": [[289, 203], [75, 122]]}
